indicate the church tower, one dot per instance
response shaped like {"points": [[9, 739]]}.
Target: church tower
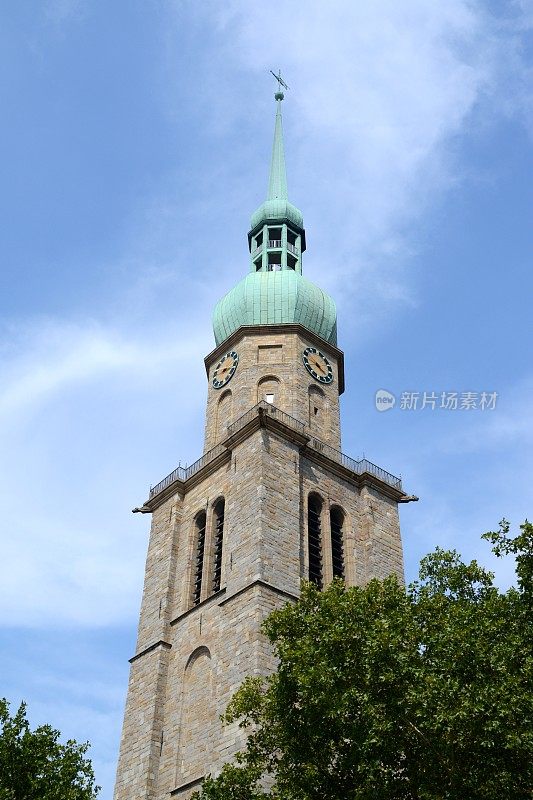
{"points": [[272, 501]]}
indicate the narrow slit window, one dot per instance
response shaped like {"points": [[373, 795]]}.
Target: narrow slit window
{"points": [[199, 558], [219, 541], [314, 539], [337, 544]]}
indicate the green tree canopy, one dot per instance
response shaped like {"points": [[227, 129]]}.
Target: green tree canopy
{"points": [[34, 765], [387, 693]]}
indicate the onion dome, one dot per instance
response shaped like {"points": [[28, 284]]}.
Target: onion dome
{"points": [[270, 298]]}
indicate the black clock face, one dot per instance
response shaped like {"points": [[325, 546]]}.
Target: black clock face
{"points": [[225, 369], [318, 365]]}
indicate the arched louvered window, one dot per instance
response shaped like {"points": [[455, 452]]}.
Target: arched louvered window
{"points": [[314, 539], [336, 518], [218, 543], [199, 526]]}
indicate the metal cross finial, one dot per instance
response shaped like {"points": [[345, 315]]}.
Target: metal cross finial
{"points": [[279, 94]]}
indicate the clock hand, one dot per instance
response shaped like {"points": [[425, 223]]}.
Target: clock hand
{"points": [[319, 366]]}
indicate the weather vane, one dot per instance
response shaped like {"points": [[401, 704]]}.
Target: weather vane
{"points": [[279, 94]]}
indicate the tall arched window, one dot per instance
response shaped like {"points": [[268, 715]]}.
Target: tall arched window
{"points": [[224, 413], [218, 543], [314, 539], [318, 410], [336, 519], [199, 527], [200, 727]]}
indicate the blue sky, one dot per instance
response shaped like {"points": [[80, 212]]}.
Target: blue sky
{"points": [[135, 145]]}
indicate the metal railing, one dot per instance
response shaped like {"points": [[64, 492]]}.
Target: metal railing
{"points": [[358, 466], [292, 248], [364, 465], [274, 243], [272, 411], [184, 473]]}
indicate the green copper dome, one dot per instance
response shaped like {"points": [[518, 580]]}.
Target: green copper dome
{"points": [[268, 298], [275, 291]]}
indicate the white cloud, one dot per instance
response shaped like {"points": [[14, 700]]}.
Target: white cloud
{"points": [[49, 357], [380, 95], [76, 418]]}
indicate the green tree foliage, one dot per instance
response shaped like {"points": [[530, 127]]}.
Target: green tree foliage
{"points": [[384, 693], [34, 765]]}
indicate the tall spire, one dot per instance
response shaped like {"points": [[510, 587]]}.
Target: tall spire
{"points": [[277, 185], [276, 207], [277, 224], [275, 292]]}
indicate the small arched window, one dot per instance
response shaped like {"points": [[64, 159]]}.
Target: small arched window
{"points": [[269, 389], [336, 519], [198, 566], [218, 544], [314, 539]]}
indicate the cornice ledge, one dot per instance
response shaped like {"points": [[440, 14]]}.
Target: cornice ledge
{"points": [[154, 646], [200, 605], [243, 433], [276, 426], [188, 785], [359, 479], [182, 487], [264, 585], [262, 420]]}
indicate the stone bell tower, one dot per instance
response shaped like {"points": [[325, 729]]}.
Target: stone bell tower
{"points": [[272, 501]]}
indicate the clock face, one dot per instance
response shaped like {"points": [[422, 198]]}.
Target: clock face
{"points": [[225, 369], [318, 365]]}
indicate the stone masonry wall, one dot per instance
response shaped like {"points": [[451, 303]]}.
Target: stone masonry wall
{"points": [[380, 531], [191, 659], [279, 356], [226, 629], [142, 728]]}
